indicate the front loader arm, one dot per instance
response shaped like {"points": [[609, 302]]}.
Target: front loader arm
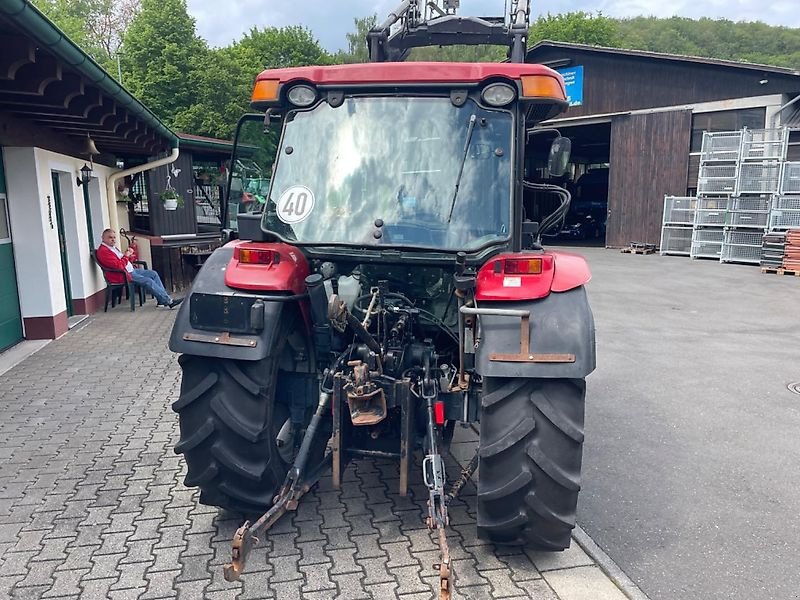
{"points": [[435, 23]]}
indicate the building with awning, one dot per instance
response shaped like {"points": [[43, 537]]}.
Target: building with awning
{"points": [[55, 102]]}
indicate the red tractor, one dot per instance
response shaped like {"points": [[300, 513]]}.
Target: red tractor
{"points": [[391, 288]]}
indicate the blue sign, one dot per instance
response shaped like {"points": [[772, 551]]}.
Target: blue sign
{"points": [[573, 80]]}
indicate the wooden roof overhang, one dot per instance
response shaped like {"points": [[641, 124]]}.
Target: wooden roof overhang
{"points": [[47, 80]]}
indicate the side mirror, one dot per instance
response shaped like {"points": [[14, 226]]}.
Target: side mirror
{"points": [[559, 156], [530, 233], [227, 235]]}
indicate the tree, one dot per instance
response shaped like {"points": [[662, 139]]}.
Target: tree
{"points": [[357, 50], [575, 27], [225, 76], [277, 47], [97, 26], [162, 58]]}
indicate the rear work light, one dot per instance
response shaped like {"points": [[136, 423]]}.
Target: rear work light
{"points": [[302, 95], [522, 266], [498, 94], [256, 256]]}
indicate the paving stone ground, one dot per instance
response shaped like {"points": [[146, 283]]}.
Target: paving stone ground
{"points": [[92, 503]]}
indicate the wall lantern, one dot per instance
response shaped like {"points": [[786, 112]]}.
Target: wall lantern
{"points": [[86, 175]]}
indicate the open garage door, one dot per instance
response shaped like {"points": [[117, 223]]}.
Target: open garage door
{"points": [[649, 158], [587, 182]]}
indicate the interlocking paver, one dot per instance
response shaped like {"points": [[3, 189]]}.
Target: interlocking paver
{"points": [[39, 573], [160, 585], [66, 583], [78, 557], [29, 593], [132, 576]]}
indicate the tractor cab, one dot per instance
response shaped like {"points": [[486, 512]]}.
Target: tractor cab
{"points": [[413, 156]]}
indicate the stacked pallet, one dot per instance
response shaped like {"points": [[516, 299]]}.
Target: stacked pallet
{"points": [[772, 248], [791, 253]]}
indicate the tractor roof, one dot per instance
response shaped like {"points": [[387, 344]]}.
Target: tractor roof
{"points": [[406, 73]]}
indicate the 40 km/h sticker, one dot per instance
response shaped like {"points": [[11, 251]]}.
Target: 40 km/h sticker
{"points": [[295, 204]]}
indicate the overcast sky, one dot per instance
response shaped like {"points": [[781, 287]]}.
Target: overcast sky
{"points": [[329, 20]]}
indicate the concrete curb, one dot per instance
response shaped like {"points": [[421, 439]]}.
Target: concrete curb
{"points": [[607, 565], [16, 354]]}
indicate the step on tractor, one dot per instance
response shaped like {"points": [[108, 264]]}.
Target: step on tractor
{"points": [[388, 285]]}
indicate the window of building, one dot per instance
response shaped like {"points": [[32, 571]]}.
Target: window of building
{"points": [[140, 205], [725, 120], [209, 182]]}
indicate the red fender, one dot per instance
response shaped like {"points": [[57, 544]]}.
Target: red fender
{"points": [[571, 271], [556, 272]]}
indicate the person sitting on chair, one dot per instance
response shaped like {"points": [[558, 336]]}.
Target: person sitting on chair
{"points": [[111, 257]]}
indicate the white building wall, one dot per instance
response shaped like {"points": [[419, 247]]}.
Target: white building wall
{"points": [[36, 245], [36, 249]]}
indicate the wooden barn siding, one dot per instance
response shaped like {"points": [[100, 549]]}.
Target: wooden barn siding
{"points": [[615, 83], [182, 220], [649, 158]]}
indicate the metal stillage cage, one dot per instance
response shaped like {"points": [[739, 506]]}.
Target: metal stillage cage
{"points": [[723, 146], [679, 210], [790, 180], [758, 178], [676, 240], [764, 144]]}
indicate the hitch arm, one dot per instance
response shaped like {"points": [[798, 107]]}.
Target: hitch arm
{"points": [[294, 487], [433, 472]]}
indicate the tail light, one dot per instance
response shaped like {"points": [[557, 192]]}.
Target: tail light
{"points": [[438, 412], [256, 256], [515, 276], [522, 266]]}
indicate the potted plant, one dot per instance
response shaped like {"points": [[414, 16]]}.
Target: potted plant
{"points": [[171, 199]]}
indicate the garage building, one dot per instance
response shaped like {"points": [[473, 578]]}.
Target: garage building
{"points": [[636, 122]]}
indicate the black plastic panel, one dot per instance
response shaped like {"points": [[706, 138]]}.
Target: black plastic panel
{"points": [[214, 312], [561, 323]]}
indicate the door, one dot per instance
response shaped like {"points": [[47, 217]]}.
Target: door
{"points": [[10, 317], [62, 241], [649, 159]]}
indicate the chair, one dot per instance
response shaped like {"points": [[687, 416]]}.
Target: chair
{"points": [[114, 290]]}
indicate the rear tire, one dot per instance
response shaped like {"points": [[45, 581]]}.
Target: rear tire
{"points": [[531, 447], [228, 429]]}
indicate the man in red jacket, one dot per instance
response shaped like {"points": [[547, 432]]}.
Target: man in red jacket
{"points": [[112, 257]]}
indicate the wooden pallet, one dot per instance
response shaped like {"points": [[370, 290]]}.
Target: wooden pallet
{"points": [[638, 250], [780, 271]]}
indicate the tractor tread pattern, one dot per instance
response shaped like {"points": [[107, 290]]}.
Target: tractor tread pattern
{"points": [[507, 522], [503, 392], [227, 413], [204, 477], [197, 391], [518, 433], [531, 436], [224, 408], [559, 419], [516, 483], [243, 380], [195, 438], [551, 467], [229, 459]]}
